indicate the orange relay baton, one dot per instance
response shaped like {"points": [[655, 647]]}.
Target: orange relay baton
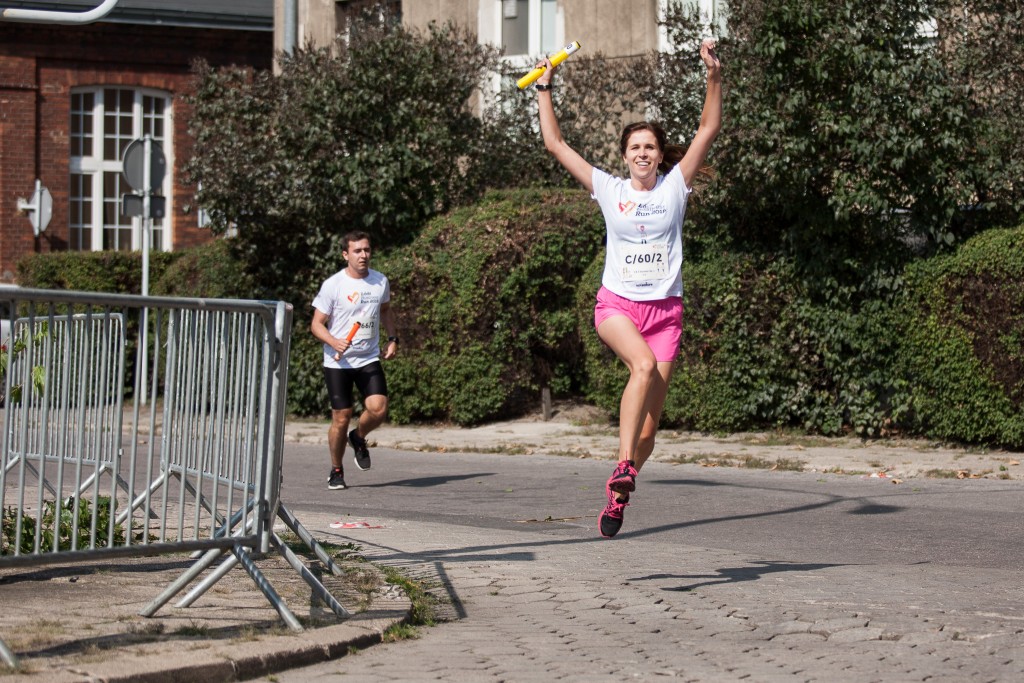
{"points": [[350, 336]]}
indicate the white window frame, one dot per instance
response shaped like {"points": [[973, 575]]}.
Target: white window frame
{"points": [[489, 30], [95, 166], [490, 21]]}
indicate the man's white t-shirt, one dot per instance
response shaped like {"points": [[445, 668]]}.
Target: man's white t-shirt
{"points": [[346, 300], [644, 257]]}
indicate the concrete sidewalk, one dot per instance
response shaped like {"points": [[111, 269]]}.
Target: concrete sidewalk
{"points": [[78, 623], [584, 432]]}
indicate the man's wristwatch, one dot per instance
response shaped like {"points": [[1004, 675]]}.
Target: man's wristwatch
{"points": [[393, 339]]}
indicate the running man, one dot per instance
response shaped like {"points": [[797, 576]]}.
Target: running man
{"points": [[347, 316]]}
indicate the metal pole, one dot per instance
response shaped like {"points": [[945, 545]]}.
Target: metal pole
{"points": [[291, 22], [147, 161]]}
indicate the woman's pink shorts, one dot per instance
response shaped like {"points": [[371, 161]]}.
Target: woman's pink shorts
{"points": [[660, 322]]}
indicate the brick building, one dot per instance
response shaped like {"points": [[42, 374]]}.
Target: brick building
{"points": [[73, 96]]}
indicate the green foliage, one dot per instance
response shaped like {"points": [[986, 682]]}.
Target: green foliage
{"points": [[985, 48], [18, 347], [119, 272], [483, 303], [307, 392], [69, 525], [206, 271], [853, 142], [378, 135], [942, 355], [759, 351], [963, 341]]}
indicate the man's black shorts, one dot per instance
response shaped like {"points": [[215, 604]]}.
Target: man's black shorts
{"points": [[369, 379]]}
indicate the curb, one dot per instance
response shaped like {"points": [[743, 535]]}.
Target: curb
{"points": [[74, 658]]}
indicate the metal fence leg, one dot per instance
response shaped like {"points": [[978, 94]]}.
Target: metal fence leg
{"points": [[13, 462], [319, 590], [201, 500], [8, 656], [182, 581], [296, 526], [208, 582], [141, 498], [268, 590]]}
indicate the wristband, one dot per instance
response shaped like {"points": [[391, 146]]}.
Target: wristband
{"points": [[544, 87], [393, 339]]}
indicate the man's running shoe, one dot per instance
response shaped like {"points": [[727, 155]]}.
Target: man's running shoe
{"points": [[362, 453], [623, 479], [610, 520], [337, 479]]}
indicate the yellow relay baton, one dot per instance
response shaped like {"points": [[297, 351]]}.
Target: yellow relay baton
{"points": [[556, 59]]}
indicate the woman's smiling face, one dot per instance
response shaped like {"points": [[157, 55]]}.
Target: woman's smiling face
{"points": [[643, 155]]}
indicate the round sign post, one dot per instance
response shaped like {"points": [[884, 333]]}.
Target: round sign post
{"points": [[144, 167], [138, 160]]}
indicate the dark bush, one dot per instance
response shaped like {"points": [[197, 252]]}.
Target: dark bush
{"points": [[963, 350], [759, 350], [207, 271]]}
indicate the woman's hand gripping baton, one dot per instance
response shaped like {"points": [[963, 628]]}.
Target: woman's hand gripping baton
{"points": [[556, 59]]}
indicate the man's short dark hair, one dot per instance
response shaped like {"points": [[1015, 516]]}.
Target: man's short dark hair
{"points": [[354, 236]]}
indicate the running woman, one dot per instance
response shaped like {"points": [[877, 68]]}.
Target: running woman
{"points": [[347, 316], [639, 307]]}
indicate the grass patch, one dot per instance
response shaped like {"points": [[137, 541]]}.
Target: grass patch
{"points": [[504, 449], [786, 464], [147, 631], [193, 630], [423, 609], [744, 461], [840, 470], [785, 438], [400, 631], [343, 551], [939, 474]]}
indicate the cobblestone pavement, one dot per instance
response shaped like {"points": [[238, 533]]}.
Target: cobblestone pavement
{"points": [[547, 606]]}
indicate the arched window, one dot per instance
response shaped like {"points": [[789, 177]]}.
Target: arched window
{"points": [[104, 120]]}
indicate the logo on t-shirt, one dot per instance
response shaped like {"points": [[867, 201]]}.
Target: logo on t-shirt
{"points": [[353, 298], [649, 210], [627, 207]]}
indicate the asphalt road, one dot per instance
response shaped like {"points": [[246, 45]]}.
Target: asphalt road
{"points": [[717, 575]]}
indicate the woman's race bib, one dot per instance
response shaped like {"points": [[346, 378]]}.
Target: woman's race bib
{"points": [[642, 262]]}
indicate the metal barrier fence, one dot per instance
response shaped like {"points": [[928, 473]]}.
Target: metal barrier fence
{"points": [[194, 465]]}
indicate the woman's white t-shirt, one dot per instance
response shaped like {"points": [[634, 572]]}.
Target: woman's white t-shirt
{"points": [[644, 257], [346, 300]]}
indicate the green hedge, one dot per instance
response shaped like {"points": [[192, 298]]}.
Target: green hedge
{"points": [[963, 350], [95, 271], [758, 353], [205, 271]]}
